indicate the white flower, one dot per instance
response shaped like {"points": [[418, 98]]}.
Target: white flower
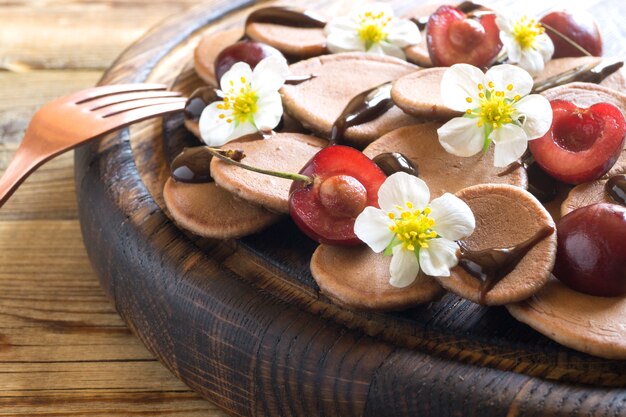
{"points": [[416, 233], [525, 41], [250, 102], [372, 28], [497, 108]]}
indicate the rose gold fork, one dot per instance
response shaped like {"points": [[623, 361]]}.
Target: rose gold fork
{"points": [[69, 121]]}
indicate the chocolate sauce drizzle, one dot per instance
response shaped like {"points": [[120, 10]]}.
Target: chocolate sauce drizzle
{"points": [[590, 73], [392, 162], [363, 108], [491, 265], [540, 184], [192, 165], [615, 187], [465, 7], [197, 102], [286, 16], [299, 79]]}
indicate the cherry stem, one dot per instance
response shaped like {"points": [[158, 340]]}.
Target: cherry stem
{"points": [[223, 155], [567, 39]]}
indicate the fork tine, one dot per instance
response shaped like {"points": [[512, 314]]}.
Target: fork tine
{"points": [[136, 115], [99, 103], [105, 90], [126, 106]]}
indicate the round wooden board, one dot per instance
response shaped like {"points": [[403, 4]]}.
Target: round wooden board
{"points": [[243, 323]]}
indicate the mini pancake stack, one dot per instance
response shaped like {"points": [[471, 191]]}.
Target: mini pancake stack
{"points": [[240, 202]]}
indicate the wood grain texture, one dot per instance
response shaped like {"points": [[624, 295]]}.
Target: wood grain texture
{"points": [[244, 324]]}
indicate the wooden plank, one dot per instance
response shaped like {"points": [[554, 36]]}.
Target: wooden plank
{"points": [[63, 348], [74, 34]]}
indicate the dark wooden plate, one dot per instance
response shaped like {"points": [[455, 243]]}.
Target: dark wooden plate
{"points": [[244, 324]]}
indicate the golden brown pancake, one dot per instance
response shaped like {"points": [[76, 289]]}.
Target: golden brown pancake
{"points": [[293, 41], [356, 277], [442, 171], [583, 322], [285, 152], [210, 211], [317, 103], [505, 216], [419, 94], [588, 193], [587, 94], [209, 48]]}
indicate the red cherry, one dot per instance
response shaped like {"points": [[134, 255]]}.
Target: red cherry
{"points": [[452, 38], [344, 182], [578, 26], [591, 250], [582, 144], [250, 52]]}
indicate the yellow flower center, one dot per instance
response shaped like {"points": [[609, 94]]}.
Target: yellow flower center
{"points": [[242, 103], [494, 108], [413, 228], [525, 31], [373, 28]]}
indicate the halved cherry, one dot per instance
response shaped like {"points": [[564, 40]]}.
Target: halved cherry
{"points": [[453, 38], [582, 144], [344, 182]]}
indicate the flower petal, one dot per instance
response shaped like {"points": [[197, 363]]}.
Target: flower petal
{"points": [[403, 268], [459, 82], [403, 33], [372, 227], [537, 114], [439, 257], [544, 45], [504, 75], [270, 74], [532, 61], [453, 218], [215, 131], [513, 50], [339, 42], [400, 188], [461, 136], [511, 143], [269, 111], [232, 79]]}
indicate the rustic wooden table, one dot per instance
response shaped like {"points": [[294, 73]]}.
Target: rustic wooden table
{"points": [[64, 351]]}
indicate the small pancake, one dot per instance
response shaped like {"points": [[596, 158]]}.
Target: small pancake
{"points": [[588, 193], [615, 81], [419, 94], [356, 277], [587, 94], [505, 216], [442, 171], [418, 54], [317, 103], [295, 42], [284, 152], [210, 211], [209, 48], [594, 325]]}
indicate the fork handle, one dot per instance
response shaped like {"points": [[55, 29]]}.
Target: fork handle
{"points": [[21, 166]]}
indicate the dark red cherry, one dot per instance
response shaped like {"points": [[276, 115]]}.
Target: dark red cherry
{"points": [[250, 52], [591, 250], [344, 182], [580, 27], [453, 38], [582, 144]]}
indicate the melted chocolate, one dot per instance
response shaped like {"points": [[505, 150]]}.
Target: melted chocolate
{"points": [[465, 7], [286, 16], [197, 102], [299, 79], [491, 265], [192, 165], [615, 187], [363, 108], [590, 73], [540, 183], [392, 162]]}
